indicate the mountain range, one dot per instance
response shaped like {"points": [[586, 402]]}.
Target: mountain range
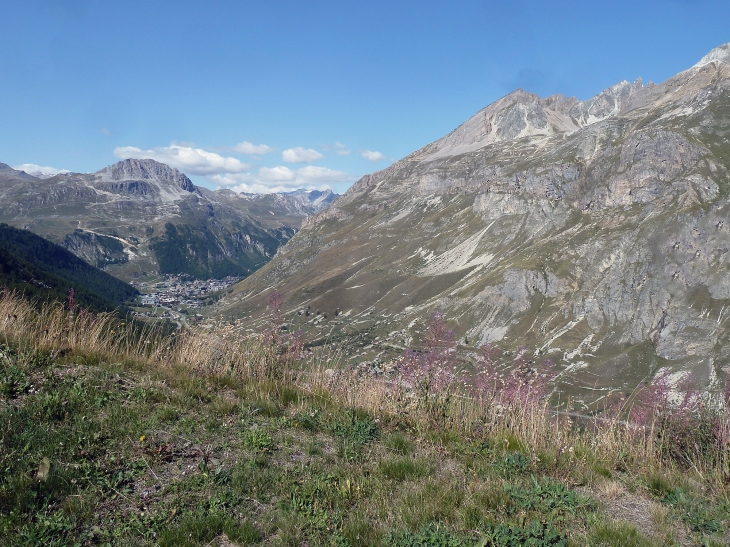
{"points": [[596, 233], [141, 217]]}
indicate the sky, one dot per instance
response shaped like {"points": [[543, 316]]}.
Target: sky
{"points": [[278, 95]]}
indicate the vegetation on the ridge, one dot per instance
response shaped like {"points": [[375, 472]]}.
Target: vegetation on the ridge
{"points": [[109, 437], [39, 268]]}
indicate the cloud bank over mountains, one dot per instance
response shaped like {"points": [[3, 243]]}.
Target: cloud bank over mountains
{"points": [[39, 170], [221, 169], [283, 179], [195, 161], [259, 173]]}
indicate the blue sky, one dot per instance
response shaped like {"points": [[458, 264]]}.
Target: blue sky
{"points": [[283, 94]]}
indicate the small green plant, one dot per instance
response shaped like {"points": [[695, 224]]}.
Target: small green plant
{"points": [[264, 408], [318, 499], [399, 443], [536, 534], [288, 395], [701, 520], [400, 469], [430, 536], [308, 420], [692, 511], [167, 414], [547, 496], [49, 530], [202, 527], [52, 406], [514, 462], [13, 382], [355, 431], [314, 448], [617, 534], [258, 440]]}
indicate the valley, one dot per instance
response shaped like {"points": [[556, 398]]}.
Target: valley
{"points": [[594, 233], [348, 274]]}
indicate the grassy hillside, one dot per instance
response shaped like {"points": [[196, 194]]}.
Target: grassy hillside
{"points": [[113, 439], [36, 267]]}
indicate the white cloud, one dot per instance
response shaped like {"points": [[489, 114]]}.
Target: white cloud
{"points": [[371, 155], [39, 170], [246, 147], [313, 174], [300, 155], [193, 161], [282, 179], [280, 173]]}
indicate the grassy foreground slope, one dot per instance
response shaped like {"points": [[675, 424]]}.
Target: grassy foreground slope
{"points": [[112, 439]]}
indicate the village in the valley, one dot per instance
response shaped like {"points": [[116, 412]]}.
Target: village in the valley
{"points": [[180, 293]]}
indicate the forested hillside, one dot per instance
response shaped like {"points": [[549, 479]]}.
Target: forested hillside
{"points": [[38, 268]]}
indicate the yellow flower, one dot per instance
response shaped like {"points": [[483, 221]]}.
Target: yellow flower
{"points": [[142, 438]]}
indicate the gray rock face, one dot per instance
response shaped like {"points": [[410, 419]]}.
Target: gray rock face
{"points": [[312, 200], [145, 170], [100, 251], [596, 233]]}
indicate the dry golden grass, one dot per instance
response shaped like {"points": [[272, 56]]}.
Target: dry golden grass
{"points": [[224, 349]]}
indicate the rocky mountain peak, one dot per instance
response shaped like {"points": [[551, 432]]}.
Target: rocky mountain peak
{"points": [[146, 170], [317, 199], [721, 54], [521, 114], [515, 115], [606, 104]]}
